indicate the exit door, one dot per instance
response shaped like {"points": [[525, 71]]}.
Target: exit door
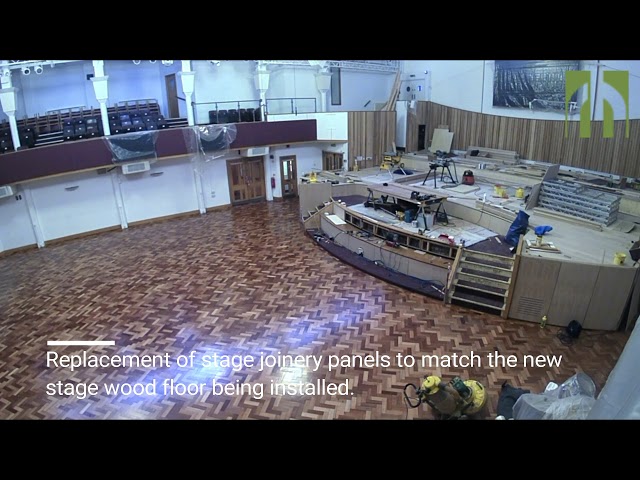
{"points": [[288, 176], [246, 180]]}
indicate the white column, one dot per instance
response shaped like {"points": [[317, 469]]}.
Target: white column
{"points": [[33, 215], [188, 79], [9, 100], [101, 89], [197, 178], [323, 82], [116, 182], [261, 79], [102, 95]]}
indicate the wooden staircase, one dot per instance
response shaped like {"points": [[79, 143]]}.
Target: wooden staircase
{"points": [[481, 280], [312, 219]]}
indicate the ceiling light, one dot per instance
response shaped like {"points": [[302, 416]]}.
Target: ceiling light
{"points": [[136, 62], [166, 63], [38, 69], [26, 70], [152, 61]]}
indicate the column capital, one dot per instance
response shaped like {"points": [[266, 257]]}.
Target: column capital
{"points": [[261, 80], [100, 87], [8, 100], [323, 81], [188, 80]]}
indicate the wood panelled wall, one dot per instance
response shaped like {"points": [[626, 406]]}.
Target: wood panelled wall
{"points": [[541, 140], [370, 135]]}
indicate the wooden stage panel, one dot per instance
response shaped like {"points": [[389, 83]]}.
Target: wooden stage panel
{"points": [[573, 292], [534, 288], [609, 297]]}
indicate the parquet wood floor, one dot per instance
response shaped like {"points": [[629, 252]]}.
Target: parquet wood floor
{"points": [[244, 281]]}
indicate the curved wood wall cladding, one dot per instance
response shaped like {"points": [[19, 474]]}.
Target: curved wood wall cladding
{"points": [[371, 134], [533, 139]]}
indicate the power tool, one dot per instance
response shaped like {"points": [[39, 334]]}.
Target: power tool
{"points": [[456, 399]]}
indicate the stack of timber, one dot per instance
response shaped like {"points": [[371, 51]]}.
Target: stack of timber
{"points": [[504, 156]]}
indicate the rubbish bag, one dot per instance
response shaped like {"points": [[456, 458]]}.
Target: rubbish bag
{"points": [[517, 228], [508, 397]]}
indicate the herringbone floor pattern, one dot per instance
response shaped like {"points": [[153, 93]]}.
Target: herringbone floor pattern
{"points": [[244, 281]]}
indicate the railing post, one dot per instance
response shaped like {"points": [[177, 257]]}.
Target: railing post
{"points": [[292, 110]]}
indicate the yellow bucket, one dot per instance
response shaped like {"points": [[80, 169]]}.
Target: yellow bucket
{"points": [[499, 190], [520, 192], [618, 258]]}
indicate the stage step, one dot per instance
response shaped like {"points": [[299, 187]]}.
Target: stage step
{"points": [[478, 287], [482, 279]]}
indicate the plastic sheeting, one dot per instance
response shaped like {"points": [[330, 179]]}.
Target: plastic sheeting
{"points": [[211, 141], [133, 146], [572, 400], [620, 397]]}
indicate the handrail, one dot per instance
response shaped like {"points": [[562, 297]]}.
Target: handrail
{"points": [[195, 104], [514, 277], [203, 109], [452, 272], [294, 104]]}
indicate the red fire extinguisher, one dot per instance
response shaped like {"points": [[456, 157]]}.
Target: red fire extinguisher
{"points": [[273, 182]]}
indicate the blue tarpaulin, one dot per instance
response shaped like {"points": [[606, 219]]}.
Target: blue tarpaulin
{"points": [[517, 228]]}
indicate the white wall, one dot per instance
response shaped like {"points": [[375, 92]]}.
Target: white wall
{"points": [[358, 88], [455, 83], [468, 85], [232, 81], [605, 91], [167, 189], [308, 159], [215, 184], [329, 125], [293, 82], [63, 86], [15, 225], [62, 212], [135, 82]]}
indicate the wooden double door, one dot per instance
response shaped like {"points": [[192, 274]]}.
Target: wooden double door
{"points": [[246, 180], [332, 160]]}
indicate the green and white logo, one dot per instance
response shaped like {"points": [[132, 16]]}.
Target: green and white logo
{"points": [[576, 79]]}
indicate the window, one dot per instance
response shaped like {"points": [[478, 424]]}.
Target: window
{"points": [[336, 94]]}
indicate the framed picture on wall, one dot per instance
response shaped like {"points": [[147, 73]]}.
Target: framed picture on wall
{"points": [[535, 84]]}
